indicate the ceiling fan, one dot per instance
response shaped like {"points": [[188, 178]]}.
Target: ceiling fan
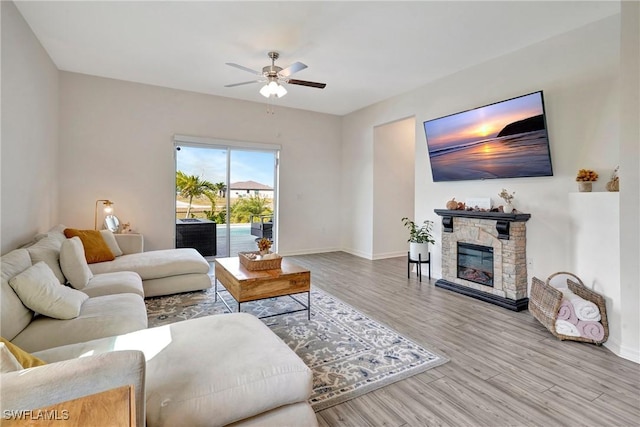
{"points": [[274, 76]]}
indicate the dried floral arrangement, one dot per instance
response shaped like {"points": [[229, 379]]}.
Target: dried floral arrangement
{"points": [[586, 175], [614, 184], [504, 195], [264, 244]]}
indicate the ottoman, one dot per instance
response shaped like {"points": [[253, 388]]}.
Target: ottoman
{"points": [[213, 371]]}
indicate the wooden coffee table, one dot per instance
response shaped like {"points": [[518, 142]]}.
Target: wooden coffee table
{"points": [[247, 285]]}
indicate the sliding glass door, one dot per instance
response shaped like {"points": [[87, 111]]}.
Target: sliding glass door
{"points": [[226, 195]]}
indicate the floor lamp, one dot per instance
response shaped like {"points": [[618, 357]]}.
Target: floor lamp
{"points": [[107, 210]]}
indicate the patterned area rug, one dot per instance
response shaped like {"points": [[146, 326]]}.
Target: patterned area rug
{"points": [[349, 353]]}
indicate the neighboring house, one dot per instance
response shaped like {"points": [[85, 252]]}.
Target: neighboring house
{"points": [[250, 188]]}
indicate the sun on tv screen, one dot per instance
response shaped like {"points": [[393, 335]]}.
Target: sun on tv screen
{"points": [[507, 139]]}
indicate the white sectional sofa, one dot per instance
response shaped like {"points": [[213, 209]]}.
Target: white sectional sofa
{"points": [[163, 272], [218, 370]]}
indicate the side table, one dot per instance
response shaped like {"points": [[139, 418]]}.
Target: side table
{"points": [[419, 262]]}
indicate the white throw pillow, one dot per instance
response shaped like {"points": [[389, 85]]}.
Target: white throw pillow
{"points": [[74, 264], [110, 239], [8, 362], [39, 289]]}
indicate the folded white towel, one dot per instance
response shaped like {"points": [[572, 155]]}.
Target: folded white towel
{"points": [[585, 310], [565, 328]]}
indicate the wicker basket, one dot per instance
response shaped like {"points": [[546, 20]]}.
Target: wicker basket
{"points": [[545, 300], [259, 264]]}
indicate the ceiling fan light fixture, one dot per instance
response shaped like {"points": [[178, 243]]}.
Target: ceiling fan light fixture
{"points": [[265, 91], [273, 88], [274, 75], [281, 91]]}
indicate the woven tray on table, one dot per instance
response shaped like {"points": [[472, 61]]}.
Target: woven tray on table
{"points": [[545, 300], [259, 264]]}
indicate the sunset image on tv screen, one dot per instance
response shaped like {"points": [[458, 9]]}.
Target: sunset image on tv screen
{"points": [[507, 139]]}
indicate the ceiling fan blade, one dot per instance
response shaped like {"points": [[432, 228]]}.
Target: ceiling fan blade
{"points": [[244, 68], [244, 83], [306, 83], [293, 68]]}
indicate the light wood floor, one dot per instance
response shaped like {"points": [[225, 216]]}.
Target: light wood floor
{"points": [[505, 368]]}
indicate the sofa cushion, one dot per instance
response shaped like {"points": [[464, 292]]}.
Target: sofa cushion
{"points": [[119, 282], [24, 359], [39, 289], [110, 240], [73, 263], [99, 317], [250, 370], [14, 316], [95, 248], [156, 264], [57, 232], [48, 250]]}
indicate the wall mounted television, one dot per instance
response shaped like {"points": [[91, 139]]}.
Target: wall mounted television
{"points": [[507, 139]]}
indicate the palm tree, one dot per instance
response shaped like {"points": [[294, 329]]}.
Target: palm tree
{"points": [[221, 187], [243, 208], [191, 186]]}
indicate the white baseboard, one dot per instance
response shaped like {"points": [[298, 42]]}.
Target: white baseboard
{"points": [[386, 255], [632, 354], [310, 251], [357, 253]]}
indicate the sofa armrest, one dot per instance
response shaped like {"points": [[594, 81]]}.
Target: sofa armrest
{"points": [[130, 243], [58, 382]]}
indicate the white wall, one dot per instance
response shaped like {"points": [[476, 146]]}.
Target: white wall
{"points": [[579, 73], [117, 143], [393, 186], [630, 181], [595, 224], [29, 151]]}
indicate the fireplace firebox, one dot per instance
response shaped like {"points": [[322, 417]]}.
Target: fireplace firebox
{"points": [[475, 263]]}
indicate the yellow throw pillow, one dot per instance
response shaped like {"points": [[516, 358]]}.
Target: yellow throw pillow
{"points": [[25, 359], [95, 248]]}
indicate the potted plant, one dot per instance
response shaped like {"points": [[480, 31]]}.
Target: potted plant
{"points": [[585, 179], [419, 238]]}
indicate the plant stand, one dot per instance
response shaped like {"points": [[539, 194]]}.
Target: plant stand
{"points": [[419, 262]]}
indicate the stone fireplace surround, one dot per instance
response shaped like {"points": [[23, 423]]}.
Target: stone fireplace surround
{"points": [[506, 234]]}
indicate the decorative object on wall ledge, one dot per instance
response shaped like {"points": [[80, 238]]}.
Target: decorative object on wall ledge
{"points": [[585, 187], [585, 179], [504, 195], [108, 210], [614, 184]]}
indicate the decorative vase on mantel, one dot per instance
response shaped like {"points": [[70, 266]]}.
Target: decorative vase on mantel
{"points": [[508, 208], [585, 186]]}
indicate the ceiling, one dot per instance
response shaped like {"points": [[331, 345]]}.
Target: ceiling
{"points": [[365, 51]]}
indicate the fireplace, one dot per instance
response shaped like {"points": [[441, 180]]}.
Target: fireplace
{"points": [[484, 256], [475, 263]]}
